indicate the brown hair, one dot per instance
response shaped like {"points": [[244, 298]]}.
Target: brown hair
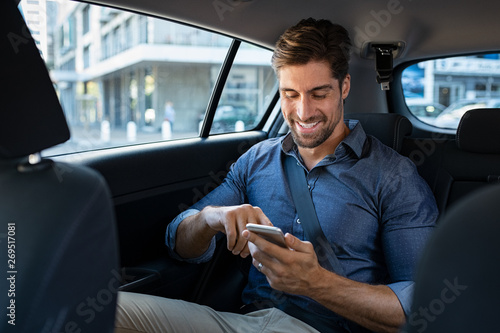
{"points": [[317, 40]]}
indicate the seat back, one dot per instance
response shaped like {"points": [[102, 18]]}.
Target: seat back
{"points": [[389, 128], [56, 219], [456, 286], [455, 168]]}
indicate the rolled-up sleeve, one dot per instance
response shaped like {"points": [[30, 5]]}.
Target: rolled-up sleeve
{"points": [[409, 217], [172, 232], [404, 292]]}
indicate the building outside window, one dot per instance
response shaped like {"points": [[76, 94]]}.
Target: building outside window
{"points": [[118, 71]]}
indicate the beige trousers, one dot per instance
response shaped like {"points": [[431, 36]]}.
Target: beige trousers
{"points": [[148, 314]]}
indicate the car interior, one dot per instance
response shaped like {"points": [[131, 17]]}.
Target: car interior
{"points": [[82, 219], [51, 211]]}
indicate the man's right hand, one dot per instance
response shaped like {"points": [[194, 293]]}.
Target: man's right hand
{"points": [[232, 220], [196, 232]]}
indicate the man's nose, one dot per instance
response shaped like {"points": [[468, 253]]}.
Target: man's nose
{"points": [[305, 109]]}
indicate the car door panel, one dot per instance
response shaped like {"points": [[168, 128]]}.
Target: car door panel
{"points": [[150, 185]]}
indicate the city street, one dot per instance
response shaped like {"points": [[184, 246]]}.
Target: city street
{"points": [[91, 139]]}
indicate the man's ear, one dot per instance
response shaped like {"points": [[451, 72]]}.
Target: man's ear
{"points": [[346, 86]]}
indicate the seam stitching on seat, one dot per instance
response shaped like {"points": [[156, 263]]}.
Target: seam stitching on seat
{"points": [[395, 139], [459, 129]]}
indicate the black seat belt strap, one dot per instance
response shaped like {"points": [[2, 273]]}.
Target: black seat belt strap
{"points": [[307, 215]]}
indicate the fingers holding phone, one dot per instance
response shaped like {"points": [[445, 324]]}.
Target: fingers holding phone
{"points": [[269, 233], [263, 253]]}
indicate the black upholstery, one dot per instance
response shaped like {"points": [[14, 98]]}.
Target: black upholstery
{"points": [[65, 246], [456, 287], [455, 168], [478, 131], [29, 123], [223, 280], [389, 128], [56, 219]]}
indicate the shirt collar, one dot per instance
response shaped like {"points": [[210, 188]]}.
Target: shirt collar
{"points": [[355, 140]]}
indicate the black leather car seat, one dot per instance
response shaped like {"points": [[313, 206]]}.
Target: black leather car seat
{"points": [[456, 287], [389, 128], [456, 168], [58, 243]]}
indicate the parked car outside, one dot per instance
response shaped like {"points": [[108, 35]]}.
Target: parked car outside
{"points": [[425, 111], [232, 118], [450, 117]]}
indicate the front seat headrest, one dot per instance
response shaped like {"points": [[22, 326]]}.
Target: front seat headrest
{"points": [[31, 115]]}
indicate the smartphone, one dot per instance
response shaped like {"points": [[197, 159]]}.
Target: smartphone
{"points": [[271, 234]]}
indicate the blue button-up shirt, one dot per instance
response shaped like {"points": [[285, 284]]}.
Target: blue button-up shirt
{"points": [[373, 207]]}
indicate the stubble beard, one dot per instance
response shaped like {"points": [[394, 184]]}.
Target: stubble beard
{"points": [[313, 140]]}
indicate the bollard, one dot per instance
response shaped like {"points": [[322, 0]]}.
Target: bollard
{"points": [[166, 130], [105, 131], [239, 126], [131, 131]]}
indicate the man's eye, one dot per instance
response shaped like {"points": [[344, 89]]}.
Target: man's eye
{"points": [[291, 96], [319, 96]]}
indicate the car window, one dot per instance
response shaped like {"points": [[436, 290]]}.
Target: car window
{"points": [[124, 78], [250, 86], [439, 92]]}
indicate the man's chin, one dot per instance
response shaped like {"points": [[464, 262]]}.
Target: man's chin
{"points": [[314, 139], [306, 141]]}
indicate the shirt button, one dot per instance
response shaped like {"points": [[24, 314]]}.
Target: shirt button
{"points": [[298, 221]]}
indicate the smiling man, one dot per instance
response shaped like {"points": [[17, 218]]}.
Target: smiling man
{"points": [[374, 209], [314, 112]]}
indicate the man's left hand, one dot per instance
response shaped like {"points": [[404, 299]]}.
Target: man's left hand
{"points": [[295, 270]]}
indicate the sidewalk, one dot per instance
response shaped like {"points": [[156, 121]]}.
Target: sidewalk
{"points": [[85, 140]]}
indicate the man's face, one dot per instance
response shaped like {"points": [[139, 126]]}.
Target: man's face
{"points": [[312, 102]]}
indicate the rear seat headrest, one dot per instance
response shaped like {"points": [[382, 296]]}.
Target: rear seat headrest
{"points": [[478, 131]]}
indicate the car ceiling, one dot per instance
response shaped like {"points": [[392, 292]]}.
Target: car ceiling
{"points": [[428, 27]]}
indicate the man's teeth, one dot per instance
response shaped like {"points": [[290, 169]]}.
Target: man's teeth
{"points": [[309, 125]]}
